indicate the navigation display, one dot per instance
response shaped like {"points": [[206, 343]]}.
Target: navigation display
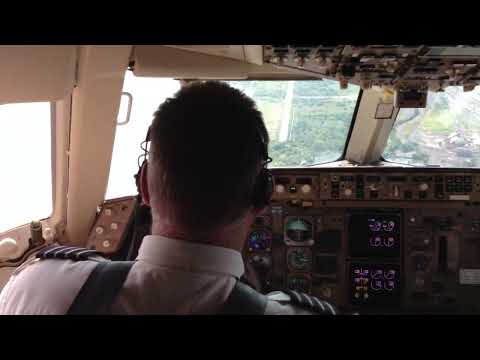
{"points": [[373, 234]]}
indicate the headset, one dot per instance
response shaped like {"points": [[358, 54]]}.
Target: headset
{"points": [[263, 188]]}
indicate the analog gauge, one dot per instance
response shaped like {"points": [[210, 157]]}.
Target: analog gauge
{"points": [[299, 258], [261, 262], [259, 240], [298, 283], [299, 230]]}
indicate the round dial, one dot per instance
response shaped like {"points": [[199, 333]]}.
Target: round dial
{"points": [[306, 188], [259, 240], [299, 258], [423, 187], [262, 262], [298, 229]]}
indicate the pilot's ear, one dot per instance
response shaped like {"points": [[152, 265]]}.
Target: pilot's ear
{"points": [[144, 184]]}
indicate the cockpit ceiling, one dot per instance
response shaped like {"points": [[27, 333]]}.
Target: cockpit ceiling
{"points": [[226, 62], [36, 73]]}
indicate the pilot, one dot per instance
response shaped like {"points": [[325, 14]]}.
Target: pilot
{"points": [[205, 179]]}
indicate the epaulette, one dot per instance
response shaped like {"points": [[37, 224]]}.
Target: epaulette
{"points": [[304, 301], [67, 253]]}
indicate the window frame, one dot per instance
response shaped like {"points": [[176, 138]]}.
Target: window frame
{"points": [[352, 124]]}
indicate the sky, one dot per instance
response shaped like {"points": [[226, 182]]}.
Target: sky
{"points": [[25, 162]]}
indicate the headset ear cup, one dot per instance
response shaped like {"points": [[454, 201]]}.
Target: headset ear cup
{"points": [[263, 189], [144, 184], [139, 175]]}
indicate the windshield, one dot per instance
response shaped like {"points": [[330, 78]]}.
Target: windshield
{"points": [[308, 121], [446, 133]]}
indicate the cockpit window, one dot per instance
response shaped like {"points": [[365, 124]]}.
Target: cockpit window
{"points": [[148, 93], [308, 120], [446, 133], [25, 162]]}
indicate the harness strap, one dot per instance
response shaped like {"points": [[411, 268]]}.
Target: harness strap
{"points": [[105, 281], [102, 286], [244, 300]]}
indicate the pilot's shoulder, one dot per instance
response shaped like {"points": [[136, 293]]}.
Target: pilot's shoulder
{"points": [[297, 303], [44, 286]]}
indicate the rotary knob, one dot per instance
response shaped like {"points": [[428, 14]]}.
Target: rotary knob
{"points": [[306, 188], [99, 230], [280, 188], [423, 187], [348, 192], [9, 249]]}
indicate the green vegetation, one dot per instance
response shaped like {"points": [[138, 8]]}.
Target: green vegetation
{"points": [[438, 123], [446, 133], [316, 127]]}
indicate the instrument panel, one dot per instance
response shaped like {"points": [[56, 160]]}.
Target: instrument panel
{"points": [[373, 240]]}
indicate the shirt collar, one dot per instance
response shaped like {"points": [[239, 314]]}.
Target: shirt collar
{"points": [[195, 257]]}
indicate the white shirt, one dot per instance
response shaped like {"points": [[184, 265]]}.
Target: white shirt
{"points": [[169, 277]]}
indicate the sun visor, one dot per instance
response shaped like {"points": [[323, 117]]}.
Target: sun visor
{"points": [[166, 61], [36, 73]]}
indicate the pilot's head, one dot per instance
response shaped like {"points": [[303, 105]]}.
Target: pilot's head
{"points": [[208, 147]]}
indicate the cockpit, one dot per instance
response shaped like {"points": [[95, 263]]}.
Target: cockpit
{"points": [[375, 149]]}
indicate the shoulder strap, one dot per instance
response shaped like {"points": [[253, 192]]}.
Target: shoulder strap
{"points": [[244, 300], [99, 291], [312, 303]]}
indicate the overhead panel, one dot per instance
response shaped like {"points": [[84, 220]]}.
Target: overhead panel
{"points": [[402, 67], [36, 73]]}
